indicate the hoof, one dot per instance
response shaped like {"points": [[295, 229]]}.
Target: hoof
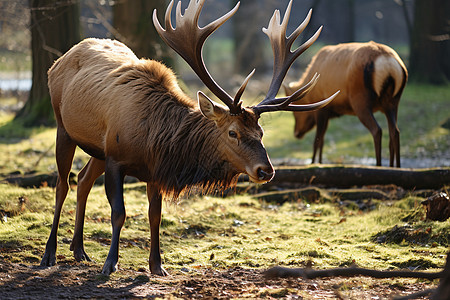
{"points": [[108, 268]]}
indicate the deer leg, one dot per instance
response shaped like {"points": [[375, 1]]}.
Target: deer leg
{"points": [[394, 137], [322, 125], [366, 117], [86, 178], [65, 150], [154, 217], [114, 191]]}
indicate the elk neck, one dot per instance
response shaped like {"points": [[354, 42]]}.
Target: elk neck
{"points": [[178, 143]]}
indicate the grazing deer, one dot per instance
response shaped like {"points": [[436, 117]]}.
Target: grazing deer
{"points": [[371, 78], [131, 116]]}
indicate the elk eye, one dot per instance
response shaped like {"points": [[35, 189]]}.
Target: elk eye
{"points": [[232, 134]]}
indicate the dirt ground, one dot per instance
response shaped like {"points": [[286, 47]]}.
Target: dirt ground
{"points": [[71, 280]]}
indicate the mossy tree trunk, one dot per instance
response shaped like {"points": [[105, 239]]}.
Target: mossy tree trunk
{"points": [[54, 30]]}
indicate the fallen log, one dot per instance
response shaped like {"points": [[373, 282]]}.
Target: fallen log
{"points": [[282, 272], [314, 194], [350, 176]]}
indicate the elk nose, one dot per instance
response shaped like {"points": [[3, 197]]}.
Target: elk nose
{"points": [[298, 134], [265, 175]]}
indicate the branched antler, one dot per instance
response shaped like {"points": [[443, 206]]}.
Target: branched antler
{"points": [[283, 59], [187, 39]]}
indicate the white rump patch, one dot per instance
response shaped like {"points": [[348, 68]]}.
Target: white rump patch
{"points": [[387, 66]]}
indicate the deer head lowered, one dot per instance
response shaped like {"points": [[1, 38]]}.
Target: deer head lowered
{"points": [[131, 116]]}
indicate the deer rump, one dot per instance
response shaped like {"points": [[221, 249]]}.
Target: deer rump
{"points": [[371, 77]]}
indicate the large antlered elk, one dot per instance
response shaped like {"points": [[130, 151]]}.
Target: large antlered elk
{"points": [[371, 78], [130, 115]]}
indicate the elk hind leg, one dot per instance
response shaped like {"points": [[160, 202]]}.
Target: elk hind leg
{"points": [[154, 217], [394, 137], [366, 117], [86, 178], [65, 150]]}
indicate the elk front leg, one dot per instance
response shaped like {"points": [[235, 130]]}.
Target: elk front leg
{"points": [[65, 150], [86, 178], [154, 217], [114, 191]]}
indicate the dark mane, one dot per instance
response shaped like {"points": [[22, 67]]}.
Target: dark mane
{"points": [[181, 143]]}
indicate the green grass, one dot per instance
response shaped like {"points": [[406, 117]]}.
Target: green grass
{"points": [[207, 231]]}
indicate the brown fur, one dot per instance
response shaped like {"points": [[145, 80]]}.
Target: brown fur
{"points": [[371, 78], [131, 116], [107, 97]]}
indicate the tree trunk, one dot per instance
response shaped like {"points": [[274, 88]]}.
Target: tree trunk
{"points": [[430, 42], [134, 27], [54, 30]]}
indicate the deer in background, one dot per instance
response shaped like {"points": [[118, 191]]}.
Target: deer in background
{"points": [[131, 116], [371, 78]]}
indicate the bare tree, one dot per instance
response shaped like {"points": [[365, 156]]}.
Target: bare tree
{"points": [[54, 29]]}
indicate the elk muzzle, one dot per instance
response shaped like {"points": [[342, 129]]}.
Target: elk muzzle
{"points": [[265, 175], [262, 172]]}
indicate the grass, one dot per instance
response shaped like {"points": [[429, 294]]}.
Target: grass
{"points": [[203, 232], [206, 231]]}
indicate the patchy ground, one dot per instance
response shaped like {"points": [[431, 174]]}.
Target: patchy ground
{"points": [[78, 280]]}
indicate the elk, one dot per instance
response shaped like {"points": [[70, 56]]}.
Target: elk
{"points": [[132, 118], [371, 77]]}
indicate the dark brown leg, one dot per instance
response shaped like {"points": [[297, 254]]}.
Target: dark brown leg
{"points": [[394, 137], [154, 216], [65, 150], [322, 125], [86, 178], [114, 191], [366, 117]]}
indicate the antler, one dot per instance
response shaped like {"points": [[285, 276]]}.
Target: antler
{"points": [[283, 59], [187, 39]]}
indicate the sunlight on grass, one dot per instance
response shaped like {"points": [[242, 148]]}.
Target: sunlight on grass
{"points": [[216, 232]]}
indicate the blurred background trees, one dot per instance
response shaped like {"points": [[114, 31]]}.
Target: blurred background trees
{"points": [[133, 26], [35, 33], [55, 28], [430, 42]]}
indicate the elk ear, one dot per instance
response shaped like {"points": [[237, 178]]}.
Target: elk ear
{"points": [[208, 108]]}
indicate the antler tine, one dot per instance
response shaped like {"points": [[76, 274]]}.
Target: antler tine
{"points": [[286, 101], [287, 106], [187, 39], [281, 46], [239, 93]]}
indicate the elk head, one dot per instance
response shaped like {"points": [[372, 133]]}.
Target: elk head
{"points": [[240, 134]]}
